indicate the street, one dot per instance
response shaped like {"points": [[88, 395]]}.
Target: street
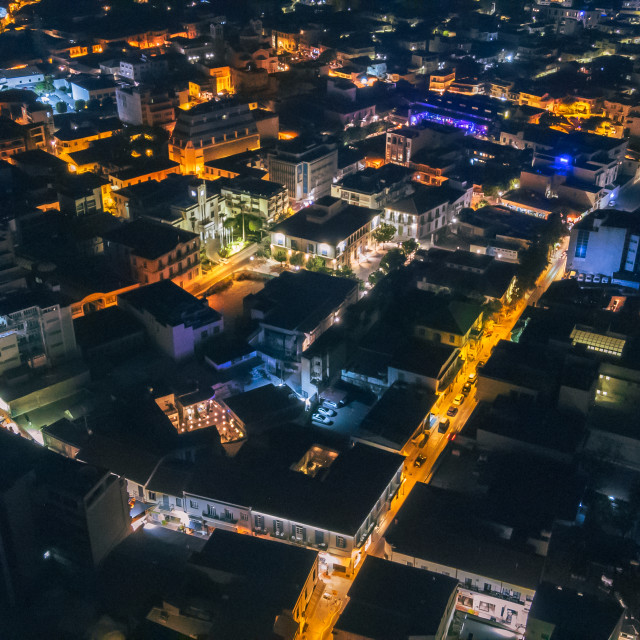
{"points": [[323, 616]]}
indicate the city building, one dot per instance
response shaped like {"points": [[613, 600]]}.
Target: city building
{"points": [[565, 613], [374, 188], [140, 105], [330, 229], [292, 312], [143, 68], [306, 168], [605, 243], [88, 88], [264, 199], [145, 251], [497, 578], [175, 321], [420, 603], [211, 130], [405, 142], [37, 329]]}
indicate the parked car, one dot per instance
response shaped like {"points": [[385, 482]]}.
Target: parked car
{"points": [[452, 411], [472, 377], [419, 461], [581, 277], [330, 404], [327, 413], [316, 417], [466, 388], [605, 279], [597, 279], [588, 278], [458, 400]]}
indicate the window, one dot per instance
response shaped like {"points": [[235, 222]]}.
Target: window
{"points": [[258, 522], [452, 338], [193, 504], [341, 542], [487, 586], [152, 495], [319, 537], [278, 527], [468, 582], [179, 502], [244, 516], [581, 243], [227, 514], [300, 533], [211, 511], [140, 491]]}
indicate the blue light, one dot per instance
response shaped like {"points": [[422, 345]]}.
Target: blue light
{"points": [[564, 159]]}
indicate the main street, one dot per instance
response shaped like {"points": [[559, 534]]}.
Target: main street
{"points": [[326, 611]]}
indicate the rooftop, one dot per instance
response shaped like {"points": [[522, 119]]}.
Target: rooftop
{"points": [[300, 301], [171, 305], [414, 607], [150, 240], [314, 224]]}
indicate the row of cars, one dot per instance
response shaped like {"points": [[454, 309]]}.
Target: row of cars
{"points": [[588, 278], [327, 410]]}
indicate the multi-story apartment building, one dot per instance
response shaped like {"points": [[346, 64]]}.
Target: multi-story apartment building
{"points": [[35, 329], [143, 68], [148, 252], [175, 321], [75, 137], [606, 242], [305, 167], [215, 129], [374, 188], [329, 495], [404, 143], [144, 106], [262, 198]]}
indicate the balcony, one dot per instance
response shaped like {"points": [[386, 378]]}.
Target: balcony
{"points": [[495, 594], [219, 518]]}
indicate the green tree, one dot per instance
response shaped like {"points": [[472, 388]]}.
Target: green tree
{"points": [[280, 256], [375, 277], [532, 262], [384, 232], [80, 105], [297, 259], [410, 246], [316, 263], [392, 260], [489, 309], [61, 107], [347, 272]]}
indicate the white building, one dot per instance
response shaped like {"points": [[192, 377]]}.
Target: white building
{"points": [[35, 329], [176, 321]]}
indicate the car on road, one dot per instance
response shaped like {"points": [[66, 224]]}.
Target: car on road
{"points": [[419, 461], [466, 388], [472, 377], [458, 400], [316, 417], [452, 411], [327, 413]]}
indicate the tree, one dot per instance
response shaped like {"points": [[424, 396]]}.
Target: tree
{"points": [[410, 246], [80, 105], [393, 260], [347, 272], [384, 233], [489, 309], [280, 256], [316, 263], [375, 277], [93, 104], [61, 107], [297, 259], [532, 263]]}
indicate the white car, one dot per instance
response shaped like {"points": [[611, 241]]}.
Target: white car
{"points": [[327, 413], [597, 279], [316, 417]]}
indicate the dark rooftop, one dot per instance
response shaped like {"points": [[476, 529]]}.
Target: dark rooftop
{"points": [[150, 240], [413, 607], [171, 305]]}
